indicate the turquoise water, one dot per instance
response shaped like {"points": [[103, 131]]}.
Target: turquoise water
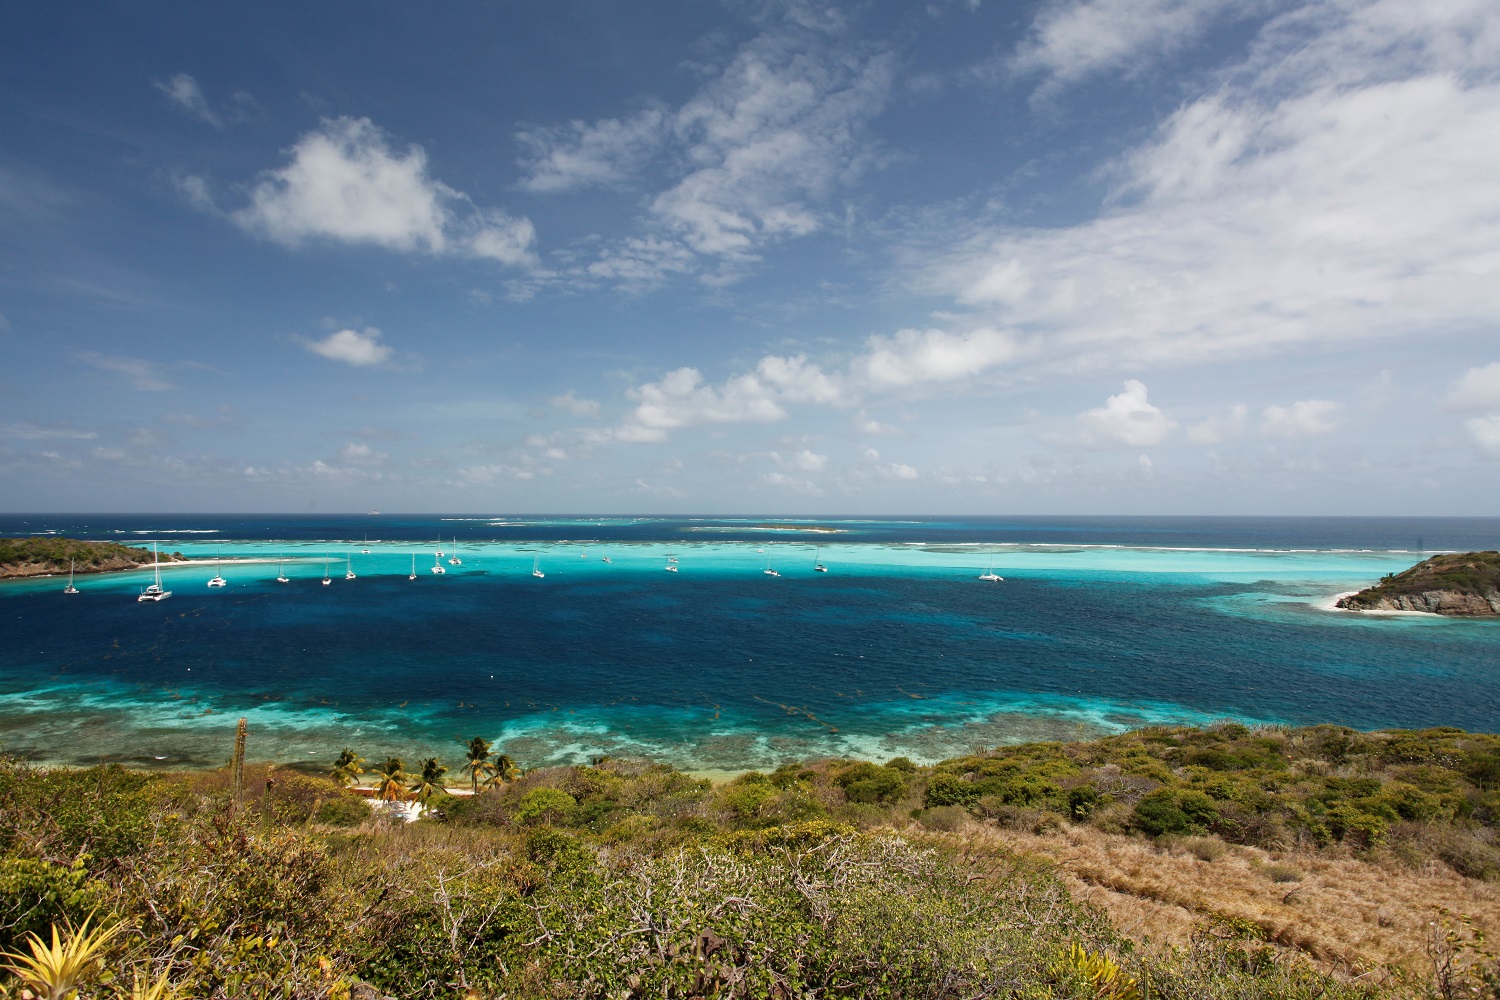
{"points": [[1100, 625]]}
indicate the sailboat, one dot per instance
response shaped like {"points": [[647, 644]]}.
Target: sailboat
{"points": [[366, 550], [413, 567], [455, 561], [671, 566], [154, 592], [585, 553], [437, 565], [768, 570], [440, 547], [326, 579], [348, 565], [818, 567], [605, 557], [990, 574], [280, 570], [218, 580], [70, 589], [536, 568]]}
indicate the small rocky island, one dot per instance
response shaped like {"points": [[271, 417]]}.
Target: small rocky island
{"points": [[47, 555], [1465, 584]]}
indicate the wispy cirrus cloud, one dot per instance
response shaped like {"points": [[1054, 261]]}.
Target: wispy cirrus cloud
{"points": [[183, 91], [147, 376], [748, 161]]}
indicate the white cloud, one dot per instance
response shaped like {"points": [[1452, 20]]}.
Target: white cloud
{"points": [[1217, 428], [346, 182], [1128, 418], [359, 453], [802, 460], [1341, 184], [681, 399], [1485, 432], [144, 375], [866, 424], [918, 356], [749, 160], [1306, 418], [1070, 41], [488, 475], [583, 154], [362, 350], [583, 408], [184, 92], [42, 432], [1477, 389], [793, 485]]}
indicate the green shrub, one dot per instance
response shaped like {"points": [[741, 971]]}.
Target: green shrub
{"points": [[545, 805], [1165, 811]]}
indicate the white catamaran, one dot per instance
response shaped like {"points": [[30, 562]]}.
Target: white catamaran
{"points": [[536, 568], [413, 567], [154, 592], [70, 589], [455, 561], [818, 566], [218, 580], [280, 570]]}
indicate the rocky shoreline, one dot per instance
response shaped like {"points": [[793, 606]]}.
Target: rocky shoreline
{"points": [[1457, 585]]}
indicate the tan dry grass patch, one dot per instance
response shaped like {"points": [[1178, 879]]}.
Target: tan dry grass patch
{"points": [[1347, 914]]}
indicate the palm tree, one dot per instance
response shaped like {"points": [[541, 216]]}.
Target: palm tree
{"points": [[391, 785], [431, 781], [346, 769], [478, 761], [502, 770]]}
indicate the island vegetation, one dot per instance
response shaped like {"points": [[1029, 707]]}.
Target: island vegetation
{"points": [[1460, 584], [45, 555], [1223, 862]]}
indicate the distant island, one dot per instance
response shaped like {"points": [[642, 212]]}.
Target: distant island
{"points": [[47, 555], [1465, 584]]}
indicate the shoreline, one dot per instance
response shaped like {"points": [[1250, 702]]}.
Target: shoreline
{"points": [[1329, 604]]}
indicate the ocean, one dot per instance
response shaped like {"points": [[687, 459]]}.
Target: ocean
{"points": [[1101, 624]]}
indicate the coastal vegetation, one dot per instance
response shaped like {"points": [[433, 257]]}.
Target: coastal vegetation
{"points": [[1168, 862], [44, 555], [1460, 584]]}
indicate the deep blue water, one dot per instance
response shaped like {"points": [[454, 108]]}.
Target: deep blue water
{"points": [[1100, 624]]}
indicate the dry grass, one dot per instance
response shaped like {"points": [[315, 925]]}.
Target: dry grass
{"points": [[1349, 915]]}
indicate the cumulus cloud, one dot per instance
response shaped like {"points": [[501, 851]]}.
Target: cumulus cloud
{"points": [[802, 460], [1128, 418], [346, 182], [146, 376], [1341, 183], [1477, 389], [359, 453], [183, 91], [1485, 433], [1221, 426], [910, 357], [352, 347], [681, 399], [1306, 418], [587, 408]]}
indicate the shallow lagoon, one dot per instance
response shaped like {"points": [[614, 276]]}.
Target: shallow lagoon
{"points": [[898, 649]]}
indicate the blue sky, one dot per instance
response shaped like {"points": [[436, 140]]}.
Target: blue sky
{"points": [[1074, 256]]}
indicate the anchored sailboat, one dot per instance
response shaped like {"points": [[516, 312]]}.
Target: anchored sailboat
{"points": [[70, 589], [280, 570], [990, 575], [326, 579], [413, 567], [437, 565], [768, 570], [218, 580], [348, 565], [536, 568], [366, 549], [154, 592], [455, 561], [818, 567], [671, 566]]}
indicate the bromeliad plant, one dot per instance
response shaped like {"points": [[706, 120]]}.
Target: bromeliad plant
{"points": [[55, 971]]}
